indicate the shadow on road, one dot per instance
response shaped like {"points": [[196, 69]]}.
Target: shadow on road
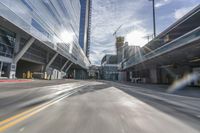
{"points": [[90, 89], [170, 109]]}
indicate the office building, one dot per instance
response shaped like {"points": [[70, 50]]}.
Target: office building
{"points": [[85, 27], [109, 67], [40, 36]]}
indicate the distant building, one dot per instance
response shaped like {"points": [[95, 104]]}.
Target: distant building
{"points": [[124, 52], [109, 67], [129, 51], [41, 37], [119, 48], [94, 72], [85, 26]]}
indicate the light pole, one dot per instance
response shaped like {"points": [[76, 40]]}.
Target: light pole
{"points": [[154, 18]]}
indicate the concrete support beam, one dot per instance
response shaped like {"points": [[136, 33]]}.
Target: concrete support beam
{"points": [[1, 66], [51, 61], [64, 65], [75, 74], [153, 75], [24, 49], [17, 43], [68, 67]]}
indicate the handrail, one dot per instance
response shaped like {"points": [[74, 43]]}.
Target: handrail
{"points": [[180, 41]]}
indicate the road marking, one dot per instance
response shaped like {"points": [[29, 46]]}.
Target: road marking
{"points": [[17, 116], [7, 123], [21, 129]]}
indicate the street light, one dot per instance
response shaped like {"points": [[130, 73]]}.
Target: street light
{"points": [[154, 21]]}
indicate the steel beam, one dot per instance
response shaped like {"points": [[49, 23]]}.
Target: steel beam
{"points": [[24, 49]]}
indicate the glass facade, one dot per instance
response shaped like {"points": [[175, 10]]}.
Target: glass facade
{"points": [[56, 23], [7, 41], [82, 21], [110, 72], [85, 20]]}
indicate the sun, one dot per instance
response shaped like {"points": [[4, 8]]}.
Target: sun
{"points": [[136, 37], [67, 37]]}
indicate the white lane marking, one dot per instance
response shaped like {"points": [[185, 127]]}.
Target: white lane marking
{"points": [[46, 97], [21, 129]]}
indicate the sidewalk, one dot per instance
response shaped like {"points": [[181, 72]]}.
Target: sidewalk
{"points": [[9, 85], [187, 91], [187, 104], [14, 80]]}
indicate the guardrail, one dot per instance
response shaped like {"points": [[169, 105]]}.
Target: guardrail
{"points": [[179, 42]]}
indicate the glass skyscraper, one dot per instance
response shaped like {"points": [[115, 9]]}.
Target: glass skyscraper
{"points": [[54, 23], [85, 20]]}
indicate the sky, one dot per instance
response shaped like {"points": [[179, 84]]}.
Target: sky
{"points": [[135, 19]]}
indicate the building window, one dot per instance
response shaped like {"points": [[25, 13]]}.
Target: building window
{"points": [[7, 43]]}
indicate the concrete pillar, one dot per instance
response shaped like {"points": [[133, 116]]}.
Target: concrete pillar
{"points": [[130, 76], [1, 66], [51, 61], [153, 75], [17, 43], [68, 67], [47, 56], [75, 74], [19, 55], [64, 65], [24, 49], [13, 68], [122, 76]]}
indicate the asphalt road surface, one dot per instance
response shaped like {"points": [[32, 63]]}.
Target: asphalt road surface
{"points": [[94, 107]]}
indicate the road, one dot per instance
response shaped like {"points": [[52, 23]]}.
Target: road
{"points": [[94, 107]]}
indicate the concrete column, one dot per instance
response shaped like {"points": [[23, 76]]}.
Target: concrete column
{"points": [[17, 43], [153, 75], [47, 56], [12, 74], [19, 54], [51, 61], [64, 65], [1, 66], [68, 67], [24, 49], [75, 74], [122, 76], [130, 76]]}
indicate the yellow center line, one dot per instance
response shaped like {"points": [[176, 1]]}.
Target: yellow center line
{"points": [[3, 128], [19, 115], [7, 123]]}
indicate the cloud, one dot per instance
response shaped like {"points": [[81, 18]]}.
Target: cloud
{"points": [[135, 16], [182, 11], [161, 3], [107, 16]]}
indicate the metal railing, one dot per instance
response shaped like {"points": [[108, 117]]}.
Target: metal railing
{"points": [[179, 42]]}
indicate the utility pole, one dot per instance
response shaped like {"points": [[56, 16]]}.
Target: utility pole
{"points": [[154, 18]]}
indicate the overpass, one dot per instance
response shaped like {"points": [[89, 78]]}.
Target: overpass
{"points": [[171, 55], [41, 37]]}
